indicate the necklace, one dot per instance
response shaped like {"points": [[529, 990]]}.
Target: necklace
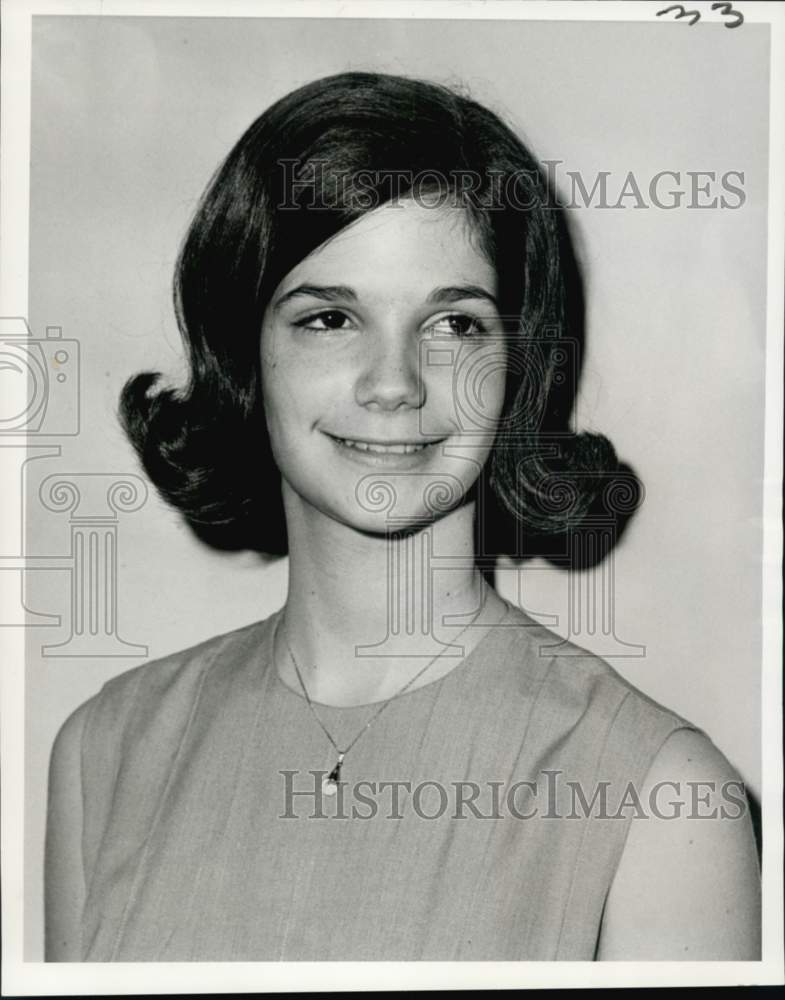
{"points": [[330, 783]]}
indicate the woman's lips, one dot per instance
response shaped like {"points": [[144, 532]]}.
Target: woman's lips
{"points": [[378, 453], [398, 447]]}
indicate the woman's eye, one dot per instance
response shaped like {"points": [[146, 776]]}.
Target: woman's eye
{"points": [[328, 319], [458, 325]]}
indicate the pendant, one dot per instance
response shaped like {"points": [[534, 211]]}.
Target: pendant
{"points": [[330, 783]]}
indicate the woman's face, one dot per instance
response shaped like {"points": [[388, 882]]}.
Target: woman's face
{"points": [[383, 368]]}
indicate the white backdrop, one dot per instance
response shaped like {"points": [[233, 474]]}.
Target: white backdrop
{"points": [[129, 118]]}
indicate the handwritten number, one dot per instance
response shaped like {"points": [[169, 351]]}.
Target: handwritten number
{"points": [[725, 8], [694, 14], [728, 11]]}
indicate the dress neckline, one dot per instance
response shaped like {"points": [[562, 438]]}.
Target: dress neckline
{"points": [[459, 669]]}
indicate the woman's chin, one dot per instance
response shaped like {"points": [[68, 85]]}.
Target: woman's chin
{"points": [[383, 501], [400, 519]]}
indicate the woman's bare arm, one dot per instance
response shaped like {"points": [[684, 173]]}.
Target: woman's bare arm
{"points": [[63, 872], [687, 887]]}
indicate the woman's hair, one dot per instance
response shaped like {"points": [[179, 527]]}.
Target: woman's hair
{"points": [[313, 163]]}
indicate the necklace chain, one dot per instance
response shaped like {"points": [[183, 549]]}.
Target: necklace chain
{"points": [[383, 706]]}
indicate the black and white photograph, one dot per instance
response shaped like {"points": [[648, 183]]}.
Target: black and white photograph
{"points": [[392, 433]]}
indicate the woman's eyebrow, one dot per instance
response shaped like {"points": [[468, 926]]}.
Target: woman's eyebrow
{"points": [[326, 293], [456, 293]]}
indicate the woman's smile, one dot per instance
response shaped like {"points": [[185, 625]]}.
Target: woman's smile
{"points": [[395, 454]]}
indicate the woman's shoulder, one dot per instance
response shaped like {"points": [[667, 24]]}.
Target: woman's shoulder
{"points": [[572, 681], [191, 660], [166, 687]]}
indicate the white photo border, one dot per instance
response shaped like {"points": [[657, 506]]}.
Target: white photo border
{"points": [[37, 978]]}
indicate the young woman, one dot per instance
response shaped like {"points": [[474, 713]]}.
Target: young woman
{"points": [[375, 297]]}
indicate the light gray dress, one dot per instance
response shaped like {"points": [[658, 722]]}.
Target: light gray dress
{"points": [[192, 849]]}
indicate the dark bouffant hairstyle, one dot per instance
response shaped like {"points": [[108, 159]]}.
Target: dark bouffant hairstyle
{"points": [[275, 199]]}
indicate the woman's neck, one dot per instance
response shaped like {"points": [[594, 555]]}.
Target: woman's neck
{"points": [[365, 612]]}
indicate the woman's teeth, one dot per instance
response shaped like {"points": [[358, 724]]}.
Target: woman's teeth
{"points": [[384, 449]]}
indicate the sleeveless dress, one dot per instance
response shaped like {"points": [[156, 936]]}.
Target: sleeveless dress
{"points": [[481, 817]]}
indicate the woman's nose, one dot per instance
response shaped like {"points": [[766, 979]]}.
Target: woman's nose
{"points": [[391, 373]]}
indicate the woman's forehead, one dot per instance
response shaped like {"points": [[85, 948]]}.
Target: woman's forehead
{"points": [[406, 244]]}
